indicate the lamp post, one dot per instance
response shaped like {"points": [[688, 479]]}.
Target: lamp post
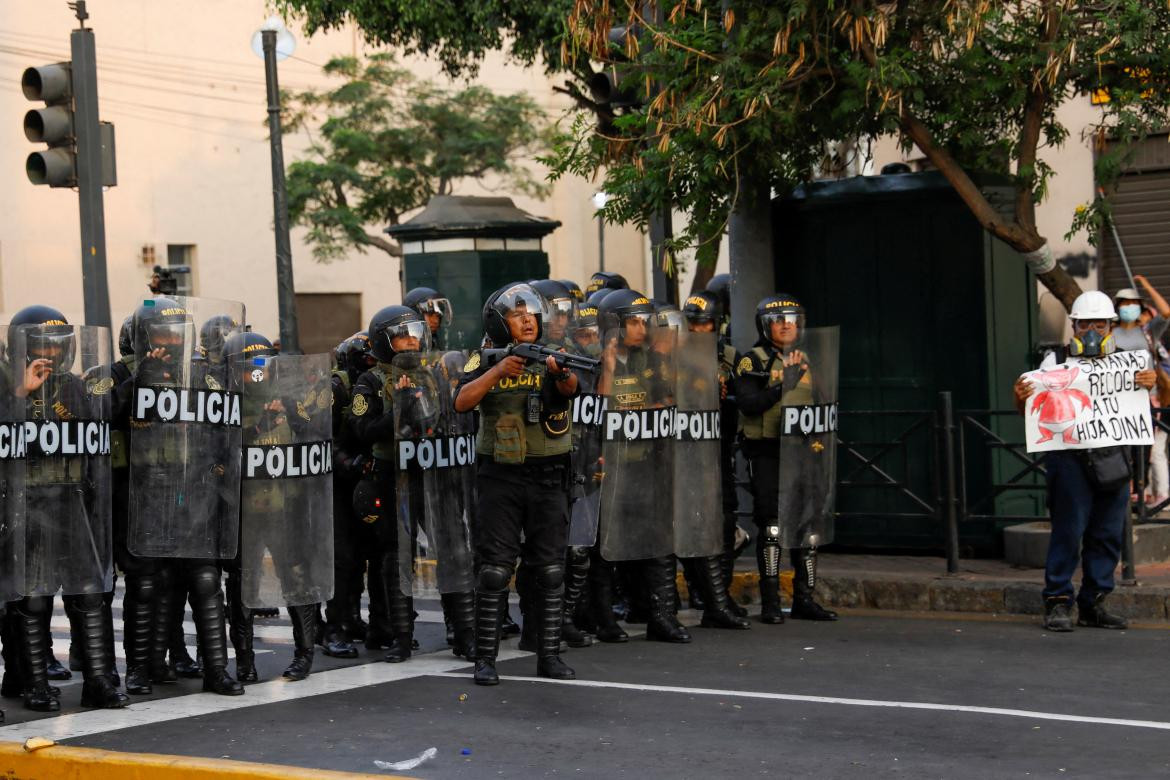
{"points": [[599, 201], [274, 42]]}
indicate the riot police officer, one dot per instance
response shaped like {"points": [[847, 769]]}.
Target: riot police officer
{"points": [[720, 286], [575, 289], [773, 373], [563, 312], [523, 475], [67, 514], [704, 314], [435, 309], [393, 330], [637, 521]]}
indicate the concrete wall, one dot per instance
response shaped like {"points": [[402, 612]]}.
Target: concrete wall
{"points": [[186, 94]]}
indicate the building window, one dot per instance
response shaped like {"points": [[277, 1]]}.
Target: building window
{"points": [[181, 263]]}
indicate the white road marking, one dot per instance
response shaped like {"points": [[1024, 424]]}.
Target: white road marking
{"points": [[908, 705], [148, 713]]}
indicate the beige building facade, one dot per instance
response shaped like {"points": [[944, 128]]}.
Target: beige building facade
{"points": [[187, 97]]}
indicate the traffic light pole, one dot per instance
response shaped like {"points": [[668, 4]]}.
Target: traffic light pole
{"points": [[89, 178], [285, 290]]}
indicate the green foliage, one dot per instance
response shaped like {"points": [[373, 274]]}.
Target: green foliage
{"points": [[769, 89], [383, 143]]}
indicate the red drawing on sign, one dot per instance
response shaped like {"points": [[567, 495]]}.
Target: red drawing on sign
{"points": [[1057, 405]]}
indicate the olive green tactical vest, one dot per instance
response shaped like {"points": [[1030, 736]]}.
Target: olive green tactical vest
{"points": [[767, 425], [505, 435]]}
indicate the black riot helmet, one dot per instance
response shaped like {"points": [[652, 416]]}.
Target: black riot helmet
{"points": [[574, 288], [213, 334], [560, 298], [703, 306], [513, 301], [354, 356], [126, 337], [426, 300], [720, 285], [162, 322], [667, 315], [620, 305], [597, 296], [777, 308], [607, 280], [245, 345], [394, 322], [47, 335]]}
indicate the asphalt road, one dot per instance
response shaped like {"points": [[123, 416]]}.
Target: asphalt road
{"points": [[869, 696]]}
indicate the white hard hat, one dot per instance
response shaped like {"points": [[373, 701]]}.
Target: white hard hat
{"points": [[1127, 294], [1093, 305]]}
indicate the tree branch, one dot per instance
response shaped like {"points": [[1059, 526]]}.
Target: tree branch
{"points": [[391, 248], [1038, 97]]}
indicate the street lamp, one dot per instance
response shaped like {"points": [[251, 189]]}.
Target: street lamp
{"points": [[274, 42], [599, 201]]}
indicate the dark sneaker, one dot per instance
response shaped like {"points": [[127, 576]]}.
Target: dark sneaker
{"points": [[1058, 615], [1096, 616]]}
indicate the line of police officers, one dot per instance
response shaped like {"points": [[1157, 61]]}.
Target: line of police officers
{"points": [[200, 450]]}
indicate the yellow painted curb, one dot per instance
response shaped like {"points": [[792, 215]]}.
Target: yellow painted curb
{"points": [[744, 587], [42, 759]]}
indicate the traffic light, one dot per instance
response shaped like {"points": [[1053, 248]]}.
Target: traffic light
{"points": [[52, 125], [611, 87]]}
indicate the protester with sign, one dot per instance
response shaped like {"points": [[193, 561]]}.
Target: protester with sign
{"points": [[1083, 413]]}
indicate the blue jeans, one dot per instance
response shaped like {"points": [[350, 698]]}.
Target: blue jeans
{"points": [[1087, 524]]}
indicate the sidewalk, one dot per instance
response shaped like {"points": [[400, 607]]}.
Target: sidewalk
{"points": [[916, 583]]}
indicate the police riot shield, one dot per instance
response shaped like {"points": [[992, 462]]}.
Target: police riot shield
{"points": [[808, 441], [185, 438], [698, 505], [637, 447], [588, 416], [12, 455], [435, 473], [63, 393], [286, 498]]}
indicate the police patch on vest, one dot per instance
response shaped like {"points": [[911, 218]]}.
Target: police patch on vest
{"points": [[52, 437], [212, 382], [359, 406], [555, 425], [697, 426], [169, 404], [640, 424], [281, 461], [472, 363], [437, 453], [807, 420], [589, 409], [745, 365], [101, 386]]}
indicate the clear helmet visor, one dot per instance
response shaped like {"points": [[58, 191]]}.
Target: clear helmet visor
{"points": [[785, 329], [408, 336], [171, 336], [52, 343], [440, 307], [526, 311]]}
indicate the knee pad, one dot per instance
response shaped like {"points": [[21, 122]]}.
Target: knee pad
{"points": [[35, 606], [141, 587], [493, 578], [550, 576], [85, 602], [578, 556], [204, 581]]}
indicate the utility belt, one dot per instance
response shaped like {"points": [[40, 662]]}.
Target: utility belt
{"points": [[554, 470]]}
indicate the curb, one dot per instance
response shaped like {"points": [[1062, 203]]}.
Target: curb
{"points": [[43, 759]]}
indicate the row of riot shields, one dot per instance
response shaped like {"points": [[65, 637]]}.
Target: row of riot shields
{"points": [[646, 450]]}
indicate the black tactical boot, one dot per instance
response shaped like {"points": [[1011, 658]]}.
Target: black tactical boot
{"points": [[576, 573], [138, 632], [241, 632], [804, 580], [207, 609], [304, 625], [770, 611], [1096, 616], [87, 613], [696, 598], [601, 577], [662, 624], [162, 628], [335, 643], [462, 613], [727, 566], [708, 577], [490, 598], [548, 607], [182, 664], [33, 654], [1058, 615], [108, 616]]}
